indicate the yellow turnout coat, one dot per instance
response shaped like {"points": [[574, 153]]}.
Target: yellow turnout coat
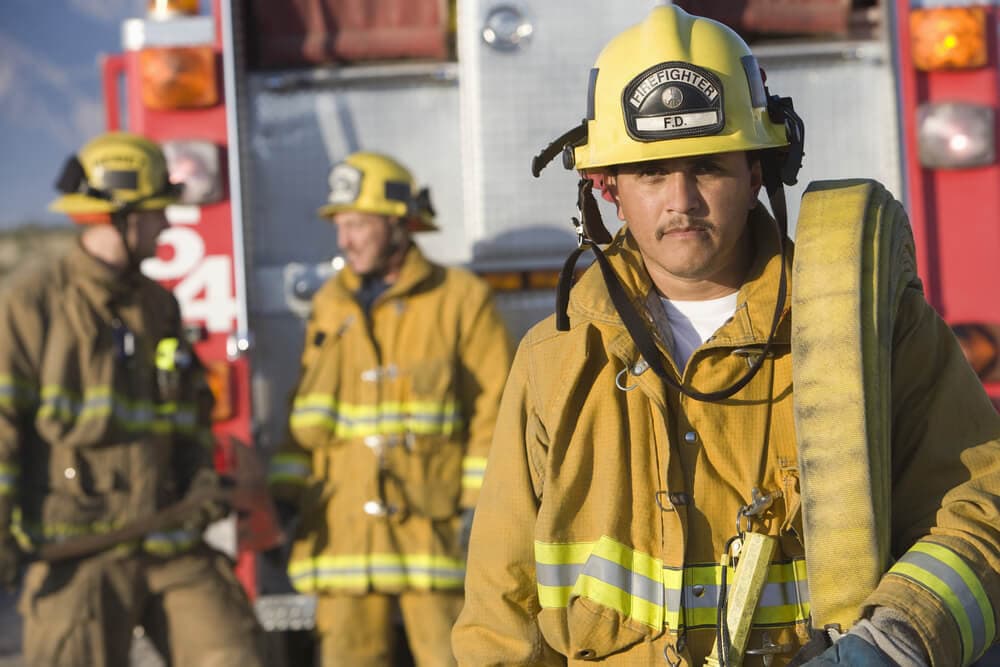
{"points": [[610, 498], [390, 426]]}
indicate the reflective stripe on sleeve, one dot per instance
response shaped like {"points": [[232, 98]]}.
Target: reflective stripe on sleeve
{"points": [[639, 587], [473, 470], [948, 577], [288, 469], [9, 474], [16, 393]]}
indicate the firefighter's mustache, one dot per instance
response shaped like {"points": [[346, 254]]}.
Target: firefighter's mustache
{"points": [[683, 227]]}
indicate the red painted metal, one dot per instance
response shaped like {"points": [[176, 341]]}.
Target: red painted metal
{"points": [[214, 228], [955, 214], [299, 32], [776, 16], [112, 69]]}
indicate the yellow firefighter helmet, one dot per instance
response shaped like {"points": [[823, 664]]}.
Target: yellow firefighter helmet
{"points": [[375, 183], [675, 85], [114, 173]]}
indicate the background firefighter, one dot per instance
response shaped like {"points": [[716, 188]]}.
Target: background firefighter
{"points": [[104, 426], [650, 426], [390, 423]]}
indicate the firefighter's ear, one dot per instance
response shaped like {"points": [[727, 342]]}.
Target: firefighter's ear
{"points": [[611, 193]]}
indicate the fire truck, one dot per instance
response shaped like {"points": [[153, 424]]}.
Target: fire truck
{"points": [[254, 100]]}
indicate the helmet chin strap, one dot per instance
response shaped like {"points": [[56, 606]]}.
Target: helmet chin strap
{"points": [[119, 220]]}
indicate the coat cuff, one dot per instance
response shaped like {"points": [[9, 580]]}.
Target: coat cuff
{"points": [[473, 471], [942, 598]]}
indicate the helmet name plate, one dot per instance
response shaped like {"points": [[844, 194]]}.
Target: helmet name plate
{"points": [[673, 99]]}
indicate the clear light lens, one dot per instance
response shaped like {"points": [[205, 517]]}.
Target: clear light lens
{"points": [[196, 165], [507, 28], [954, 135]]}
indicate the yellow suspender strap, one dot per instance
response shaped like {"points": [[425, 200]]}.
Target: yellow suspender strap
{"points": [[854, 257]]}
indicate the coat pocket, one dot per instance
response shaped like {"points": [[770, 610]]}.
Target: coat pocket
{"points": [[428, 475], [614, 599]]}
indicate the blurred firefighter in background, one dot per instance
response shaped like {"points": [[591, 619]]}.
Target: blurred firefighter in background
{"points": [[106, 452], [402, 369], [654, 494]]}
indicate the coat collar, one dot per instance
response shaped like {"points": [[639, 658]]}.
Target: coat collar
{"points": [[590, 301], [415, 270], [97, 277]]}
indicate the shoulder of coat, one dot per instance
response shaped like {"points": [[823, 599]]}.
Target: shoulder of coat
{"points": [[466, 281], [34, 286]]}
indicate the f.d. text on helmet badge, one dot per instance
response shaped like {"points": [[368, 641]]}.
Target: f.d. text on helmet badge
{"points": [[673, 100]]}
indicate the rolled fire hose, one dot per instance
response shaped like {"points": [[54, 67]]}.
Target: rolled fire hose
{"points": [[854, 259]]}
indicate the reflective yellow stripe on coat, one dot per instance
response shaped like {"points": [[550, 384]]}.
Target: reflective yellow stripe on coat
{"points": [[379, 570], [946, 575], [639, 587], [100, 402], [346, 420]]}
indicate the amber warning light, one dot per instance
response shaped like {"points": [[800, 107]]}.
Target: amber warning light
{"points": [[948, 38], [178, 77]]}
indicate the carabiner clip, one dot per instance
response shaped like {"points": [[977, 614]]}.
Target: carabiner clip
{"points": [[620, 384]]}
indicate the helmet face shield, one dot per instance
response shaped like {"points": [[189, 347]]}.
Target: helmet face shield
{"points": [[374, 183], [115, 172], [675, 85]]}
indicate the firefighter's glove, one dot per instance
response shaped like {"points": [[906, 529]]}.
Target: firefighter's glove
{"points": [[465, 529], [10, 563], [214, 492], [851, 651]]}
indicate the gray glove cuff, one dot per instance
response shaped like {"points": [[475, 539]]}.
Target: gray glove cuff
{"points": [[890, 632]]}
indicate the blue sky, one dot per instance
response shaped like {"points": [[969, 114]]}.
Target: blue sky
{"points": [[50, 93]]}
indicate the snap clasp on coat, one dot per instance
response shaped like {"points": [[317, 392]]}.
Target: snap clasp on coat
{"points": [[698, 590], [378, 508], [69, 473], [585, 654], [375, 374], [691, 437], [373, 441]]}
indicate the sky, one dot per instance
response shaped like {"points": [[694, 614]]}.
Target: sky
{"points": [[50, 94]]}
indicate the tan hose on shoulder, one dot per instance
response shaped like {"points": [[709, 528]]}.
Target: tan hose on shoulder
{"points": [[854, 258]]}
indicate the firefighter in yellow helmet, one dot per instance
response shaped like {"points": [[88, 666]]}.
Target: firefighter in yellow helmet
{"points": [[402, 369], [106, 465], [648, 436]]}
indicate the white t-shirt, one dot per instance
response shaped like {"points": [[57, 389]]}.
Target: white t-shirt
{"points": [[692, 322]]}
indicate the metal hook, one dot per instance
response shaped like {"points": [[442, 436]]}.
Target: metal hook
{"points": [[618, 380]]}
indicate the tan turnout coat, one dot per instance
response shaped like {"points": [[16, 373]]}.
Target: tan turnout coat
{"points": [[609, 498]]}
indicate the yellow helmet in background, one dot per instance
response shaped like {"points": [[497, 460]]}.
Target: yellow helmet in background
{"points": [[114, 173], [375, 183], [675, 85]]}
